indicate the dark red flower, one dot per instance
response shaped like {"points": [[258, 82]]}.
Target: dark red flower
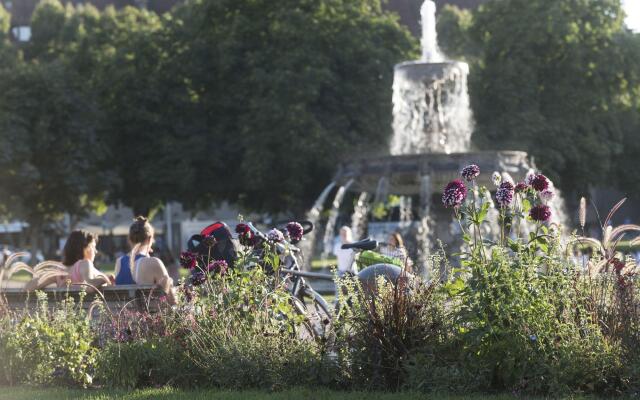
{"points": [[540, 182], [618, 265], [295, 231], [454, 193], [540, 213], [188, 260], [521, 187], [245, 235]]}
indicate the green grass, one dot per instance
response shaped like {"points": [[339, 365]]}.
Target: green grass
{"points": [[22, 393]]}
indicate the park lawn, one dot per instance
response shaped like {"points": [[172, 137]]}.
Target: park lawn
{"points": [[21, 393]]}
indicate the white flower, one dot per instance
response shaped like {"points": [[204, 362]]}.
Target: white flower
{"points": [[496, 178], [506, 177]]}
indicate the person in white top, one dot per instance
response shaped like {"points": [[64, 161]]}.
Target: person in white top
{"points": [[345, 256]]}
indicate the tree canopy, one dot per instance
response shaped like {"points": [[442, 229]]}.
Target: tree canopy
{"points": [[557, 78], [251, 102]]}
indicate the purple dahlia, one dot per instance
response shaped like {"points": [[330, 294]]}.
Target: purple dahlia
{"points": [[470, 172], [454, 193], [504, 195], [188, 260], [198, 278], [295, 231], [540, 213], [218, 267], [275, 235], [540, 183]]}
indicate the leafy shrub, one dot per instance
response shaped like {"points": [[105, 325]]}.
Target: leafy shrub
{"points": [[48, 347]]}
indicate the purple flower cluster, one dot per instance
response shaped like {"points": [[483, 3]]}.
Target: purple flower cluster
{"points": [[540, 182], [470, 172], [504, 195], [218, 267], [275, 235], [198, 277], [188, 260], [454, 194], [295, 231], [540, 213]]}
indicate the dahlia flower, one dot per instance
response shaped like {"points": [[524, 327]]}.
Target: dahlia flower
{"points": [[470, 172], [540, 213], [504, 195], [454, 193]]}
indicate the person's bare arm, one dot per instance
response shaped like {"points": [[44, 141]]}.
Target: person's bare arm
{"points": [[91, 275]]}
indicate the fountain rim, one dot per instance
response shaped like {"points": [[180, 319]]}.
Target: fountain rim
{"points": [[443, 64]]}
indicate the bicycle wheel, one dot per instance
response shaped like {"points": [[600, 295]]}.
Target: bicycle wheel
{"points": [[303, 330], [318, 313]]}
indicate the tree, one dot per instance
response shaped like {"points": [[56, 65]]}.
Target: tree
{"points": [[549, 82], [284, 91], [454, 33], [48, 164]]}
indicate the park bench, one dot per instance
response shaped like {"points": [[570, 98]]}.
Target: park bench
{"points": [[134, 297]]}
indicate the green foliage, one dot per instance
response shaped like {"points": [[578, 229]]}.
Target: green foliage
{"points": [[47, 122], [48, 347], [142, 363], [283, 90], [5, 22], [553, 78], [454, 36], [251, 95]]}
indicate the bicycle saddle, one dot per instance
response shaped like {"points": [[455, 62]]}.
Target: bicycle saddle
{"points": [[364, 244]]}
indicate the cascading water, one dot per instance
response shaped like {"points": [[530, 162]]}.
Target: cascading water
{"points": [[431, 112], [432, 127], [333, 217], [313, 215], [359, 216], [430, 51], [382, 190]]}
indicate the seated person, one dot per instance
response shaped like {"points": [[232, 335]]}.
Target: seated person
{"points": [[78, 255], [139, 267]]}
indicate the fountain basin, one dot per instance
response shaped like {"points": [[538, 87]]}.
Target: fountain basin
{"points": [[405, 172]]}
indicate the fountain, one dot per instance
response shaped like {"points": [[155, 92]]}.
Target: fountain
{"points": [[431, 143]]}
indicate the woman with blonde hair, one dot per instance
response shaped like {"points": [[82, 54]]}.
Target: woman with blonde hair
{"points": [[138, 267]]}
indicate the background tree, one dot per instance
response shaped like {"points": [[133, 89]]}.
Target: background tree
{"points": [[48, 164], [549, 81], [284, 91]]}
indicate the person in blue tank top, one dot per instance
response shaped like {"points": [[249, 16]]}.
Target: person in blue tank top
{"points": [[138, 267]]}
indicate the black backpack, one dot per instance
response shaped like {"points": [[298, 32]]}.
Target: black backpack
{"points": [[223, 249]]}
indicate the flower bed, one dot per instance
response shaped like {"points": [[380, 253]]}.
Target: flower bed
{"points": [[516, 314]]}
